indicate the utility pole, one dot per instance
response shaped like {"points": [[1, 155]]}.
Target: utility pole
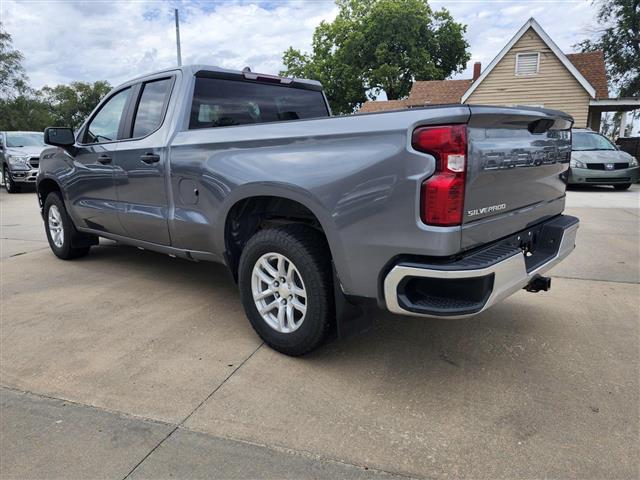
{"points": [[175, 11]]}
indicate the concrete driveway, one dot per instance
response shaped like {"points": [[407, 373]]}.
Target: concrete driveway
{"points": [[133, 364]]}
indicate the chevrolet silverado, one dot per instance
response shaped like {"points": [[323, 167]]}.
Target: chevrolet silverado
{"points": [[437, 212]]}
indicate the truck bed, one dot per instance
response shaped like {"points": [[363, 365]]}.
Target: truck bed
{"points": [[361, 177]]}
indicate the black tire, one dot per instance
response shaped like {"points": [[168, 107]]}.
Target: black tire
{"points": [[622, 186], [308, 251], [74, 244], [9, 185]]}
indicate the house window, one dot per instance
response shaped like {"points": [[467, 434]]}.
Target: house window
{"points": [[527, 63]]}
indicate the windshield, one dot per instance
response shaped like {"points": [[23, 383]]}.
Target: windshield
{"points": [[590, 141], [17, 139]]}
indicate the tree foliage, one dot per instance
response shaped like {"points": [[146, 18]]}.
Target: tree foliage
{"points": [[619, 39], [376, 45], [62, 105], [13, 80], [24, 112], [610, 126], [71, 104], [23, 108]]}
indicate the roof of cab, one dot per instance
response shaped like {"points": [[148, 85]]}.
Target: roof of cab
{"points": [[193, 69]]}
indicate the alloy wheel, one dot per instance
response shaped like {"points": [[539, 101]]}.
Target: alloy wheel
{"points": [[279, 292], [55, 226]]}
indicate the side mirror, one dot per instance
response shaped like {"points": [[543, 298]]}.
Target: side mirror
{"points": [[59, 137]]}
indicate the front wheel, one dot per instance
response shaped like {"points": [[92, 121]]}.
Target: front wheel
{"points": [[285, 286], [9, 185], [62, 235], [622, 186]]}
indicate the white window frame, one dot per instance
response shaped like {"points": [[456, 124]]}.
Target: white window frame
{"points": [[518, 62]]}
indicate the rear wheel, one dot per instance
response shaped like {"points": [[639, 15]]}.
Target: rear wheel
{"points": [[65, 241], [285, 286], [622, 186], [9, 185]]}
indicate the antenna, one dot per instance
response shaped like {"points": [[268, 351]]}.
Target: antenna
{"points": [[175, 11]]}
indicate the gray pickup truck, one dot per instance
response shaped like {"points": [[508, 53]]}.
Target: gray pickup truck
{"points": [[19, 158], [435, 212]]}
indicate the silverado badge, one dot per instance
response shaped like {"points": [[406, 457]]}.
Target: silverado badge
{"points": [[483, 210]]}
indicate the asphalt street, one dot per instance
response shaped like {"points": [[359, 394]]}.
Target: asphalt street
{"points": [[131, 364]]}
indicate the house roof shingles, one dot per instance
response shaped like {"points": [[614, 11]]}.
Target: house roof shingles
{"points": [[437, 92], [382, 106], [428, 92], [592, 67]]}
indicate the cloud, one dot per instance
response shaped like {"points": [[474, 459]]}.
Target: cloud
{"points": [[491, 24], [117, 40]]}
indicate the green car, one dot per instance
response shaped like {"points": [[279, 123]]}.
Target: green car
{"points": [[595, 160]]}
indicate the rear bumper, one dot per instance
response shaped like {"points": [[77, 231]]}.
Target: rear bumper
{"points": [[585, 176], [476, 281]]}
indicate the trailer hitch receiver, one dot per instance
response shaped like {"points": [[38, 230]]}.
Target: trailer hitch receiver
{"points": [[538, 283]]}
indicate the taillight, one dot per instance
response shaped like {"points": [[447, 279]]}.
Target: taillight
{"points": [[442, 195]]}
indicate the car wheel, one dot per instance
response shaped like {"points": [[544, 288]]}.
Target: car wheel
{"points": [[286, 287], [9, 185], [61, 233], [622, 186]]}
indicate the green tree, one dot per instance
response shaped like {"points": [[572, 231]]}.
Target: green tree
{"points": [[619, 39], [13, 80], [23, 108], [71, 104], [25, 112], [376, 45], [20, 107]]}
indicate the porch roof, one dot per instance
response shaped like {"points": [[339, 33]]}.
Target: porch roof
{"points": [[614, 104]]}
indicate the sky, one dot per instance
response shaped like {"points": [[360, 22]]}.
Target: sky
{"points": [[64, 41], [116, 40]]}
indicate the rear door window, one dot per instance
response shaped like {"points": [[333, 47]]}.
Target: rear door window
{"points": [[223, 103], [151, 107]]}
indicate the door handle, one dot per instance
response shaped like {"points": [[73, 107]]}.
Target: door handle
{"points": [[150, 158], [104, 159]]}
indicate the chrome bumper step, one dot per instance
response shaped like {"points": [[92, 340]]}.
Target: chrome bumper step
{"points": [[473, 283]]}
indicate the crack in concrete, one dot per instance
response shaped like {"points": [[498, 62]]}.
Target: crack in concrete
{"points": [[192, 412], [625, 282], [85, 405], [635, 212], [179, 426], [22, 239]]}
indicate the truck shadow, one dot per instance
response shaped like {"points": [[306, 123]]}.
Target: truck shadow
{"points": [[594, 188], [505, 333]]}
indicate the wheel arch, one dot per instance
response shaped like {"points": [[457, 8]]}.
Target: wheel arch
{"points": [[259, 205], [44, 187]]}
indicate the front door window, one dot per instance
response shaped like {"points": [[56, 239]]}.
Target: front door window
{"points": [[104, 126]]}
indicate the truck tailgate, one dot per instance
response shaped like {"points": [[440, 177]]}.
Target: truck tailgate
{"points": [[515, 173]]}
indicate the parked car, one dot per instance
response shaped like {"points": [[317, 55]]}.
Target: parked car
{"points": [[436, 212], [595, 160], [19, 157]]}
